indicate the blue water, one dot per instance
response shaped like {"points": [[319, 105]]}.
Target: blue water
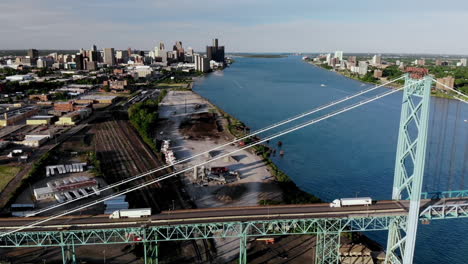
{"points": [[353, 153]]}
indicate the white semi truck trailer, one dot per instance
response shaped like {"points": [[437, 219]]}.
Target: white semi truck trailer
{"points": [[351, 201], [131, 213]]}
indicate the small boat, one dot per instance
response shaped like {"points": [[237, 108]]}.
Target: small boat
{"points": [[323, 85]]}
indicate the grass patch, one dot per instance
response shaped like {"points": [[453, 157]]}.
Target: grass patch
{"points": [[7, 173]]}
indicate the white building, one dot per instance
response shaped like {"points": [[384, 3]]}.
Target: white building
{"points": [[463, 62], [328, 59], [339, 55], [143, 71], [43, 193], [202, 63], [377, 60], [18, 78], [363, 67]]}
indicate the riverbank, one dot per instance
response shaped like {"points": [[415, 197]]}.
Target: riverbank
{"points": [[394, 85]]}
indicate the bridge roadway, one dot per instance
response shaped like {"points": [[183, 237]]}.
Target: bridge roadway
{"points": [[225, 214]]}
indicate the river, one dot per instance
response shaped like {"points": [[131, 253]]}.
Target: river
{"points": [[352, 154]]}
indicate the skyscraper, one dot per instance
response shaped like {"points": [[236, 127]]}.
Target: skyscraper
{"points": [[121, 56], [79, 61], [33, 53], [109, 57], [215, 52], [161, 52], [180, 50], [93, 54]]}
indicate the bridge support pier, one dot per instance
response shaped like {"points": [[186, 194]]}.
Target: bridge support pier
{"points": [[327, 248], [151, 252], [68, 254]]}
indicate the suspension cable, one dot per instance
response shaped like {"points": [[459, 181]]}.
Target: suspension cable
{"points": [[133, 188], [286, 121], [453, 90]]}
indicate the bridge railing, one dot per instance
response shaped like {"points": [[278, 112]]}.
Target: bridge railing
{"points": [[444, 194]]}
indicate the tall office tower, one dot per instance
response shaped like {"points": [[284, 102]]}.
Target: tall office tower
{"points": [[339, 55], [79, 61], [94, 54], [180, 50], [109, 57], [215, 52], [121, 56], [161, 52], [33, 53]]}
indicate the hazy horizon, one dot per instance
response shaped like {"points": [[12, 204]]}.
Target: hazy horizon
{"points": [[249, 26]]}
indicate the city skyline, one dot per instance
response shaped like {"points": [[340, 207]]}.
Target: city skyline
{"points": [[244, 26]]}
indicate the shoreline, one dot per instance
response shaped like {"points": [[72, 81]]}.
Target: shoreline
{"points": [[290, 192], [284, 181], [437, 94]]}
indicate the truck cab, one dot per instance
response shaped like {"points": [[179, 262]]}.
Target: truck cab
{"points": [[336, 203]]}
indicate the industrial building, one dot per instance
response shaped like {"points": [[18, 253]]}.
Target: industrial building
{"points": [[43, 193], [17, 115], [101, 99], [74, 118], [67, 188], [33, 140], [40, 120]]}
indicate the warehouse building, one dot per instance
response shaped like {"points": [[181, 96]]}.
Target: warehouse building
{"points": [[43, 193], [34, 140], [14, 116], [101, 99], [40, 120], [74, 118]]}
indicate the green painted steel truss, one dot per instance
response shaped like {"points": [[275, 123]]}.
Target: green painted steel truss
{"points": [[327, 230], [196, 231]]}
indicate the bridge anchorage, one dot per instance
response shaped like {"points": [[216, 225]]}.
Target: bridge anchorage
{"points": [[410, 207]]}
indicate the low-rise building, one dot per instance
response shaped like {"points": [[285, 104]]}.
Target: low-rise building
{"points": [[64, 106], [39, 97], [101, 99], [74, 118], [34, 140], [443, 83], [17, 115], [117, 85], [43, 193], [19, 78], [378, 73], [40, 120]]}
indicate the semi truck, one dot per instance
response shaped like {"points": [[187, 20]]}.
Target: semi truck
{"points": [[351, 201], [131, 213]]}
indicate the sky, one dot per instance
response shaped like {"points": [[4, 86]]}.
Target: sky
{"points": [[373, 26]]}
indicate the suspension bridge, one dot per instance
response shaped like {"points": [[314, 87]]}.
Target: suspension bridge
{"points": [[400, 215]]}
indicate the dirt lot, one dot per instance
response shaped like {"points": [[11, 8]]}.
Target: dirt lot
{"points": [[178, 109]]}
